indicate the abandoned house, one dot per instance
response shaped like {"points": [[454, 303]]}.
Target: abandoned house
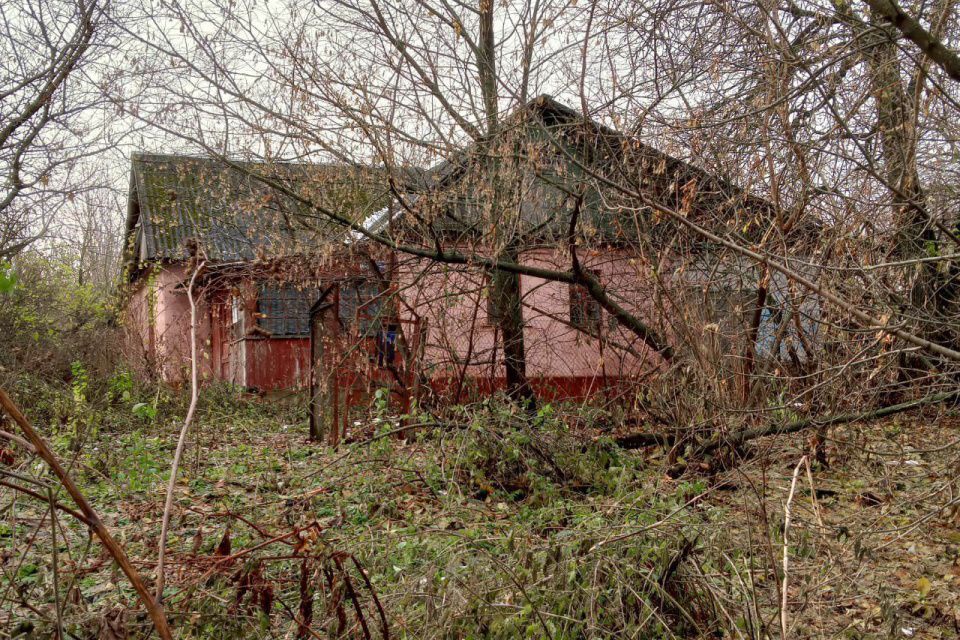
{"points": [[252, 326], [544, 188], [353, 317]]}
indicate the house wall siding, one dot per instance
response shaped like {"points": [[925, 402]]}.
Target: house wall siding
{"points": [[172, 326], [277, 363], [463, 342], [246, 359], [157, 320]]}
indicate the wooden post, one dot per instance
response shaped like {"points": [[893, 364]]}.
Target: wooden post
{"points": [[318, 377]]}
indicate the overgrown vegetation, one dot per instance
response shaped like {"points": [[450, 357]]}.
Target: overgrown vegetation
{"points": [[734, 228], [487, 522], [484, 520], [50, 320]]}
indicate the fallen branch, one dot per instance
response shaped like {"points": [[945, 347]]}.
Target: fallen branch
{"points": [[640, 440], [746, 435], [93, 520]]}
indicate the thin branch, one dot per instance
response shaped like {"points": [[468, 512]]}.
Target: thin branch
{"points": [[786, 548], [946, 58], [181, 443], [119, 555]]}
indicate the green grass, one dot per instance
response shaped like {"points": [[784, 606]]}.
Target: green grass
{"points": [[488, 523], [492, 526]]}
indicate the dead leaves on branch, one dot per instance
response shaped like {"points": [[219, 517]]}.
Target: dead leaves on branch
{"points": [[350, 602]]}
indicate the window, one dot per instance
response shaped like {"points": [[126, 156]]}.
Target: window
{"points": [[363, 305], [283, 311], [585, 312]]}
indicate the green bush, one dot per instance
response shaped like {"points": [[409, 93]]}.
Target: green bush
{"points": [[49, 320]]}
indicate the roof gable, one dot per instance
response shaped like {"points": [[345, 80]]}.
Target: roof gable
{"points": [[553, 155]]}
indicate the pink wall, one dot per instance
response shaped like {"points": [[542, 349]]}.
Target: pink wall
{"points": [[158, 335], [158, 324], [557, 349], [452, 302], [173, 326]]}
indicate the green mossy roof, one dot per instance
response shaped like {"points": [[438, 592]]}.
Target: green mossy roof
{"points": [[179, 201], [542, 150]]}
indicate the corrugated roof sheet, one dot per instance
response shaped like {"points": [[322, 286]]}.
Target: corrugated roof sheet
{"points": [[176, 201], [455, 195]]}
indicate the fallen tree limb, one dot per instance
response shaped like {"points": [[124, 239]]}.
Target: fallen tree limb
{"points": [[640, 440], [745, 435], [93, 520]]}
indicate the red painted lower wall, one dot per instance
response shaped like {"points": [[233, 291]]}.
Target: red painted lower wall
{"points": [[546, 388], [277, 363]]}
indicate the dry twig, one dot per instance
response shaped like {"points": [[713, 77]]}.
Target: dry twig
{"points": [[43, 450]]}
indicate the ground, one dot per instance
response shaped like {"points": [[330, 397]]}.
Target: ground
{"points": [[493, 524], [874, 546]]}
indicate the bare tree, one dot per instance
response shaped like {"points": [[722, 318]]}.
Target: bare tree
{"points": [[44, 49], [769, 164], [454, 86]]}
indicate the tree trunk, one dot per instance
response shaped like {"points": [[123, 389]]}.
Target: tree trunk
{"points": [[506, 294], [898, 142], [930, 291], [505, 286]]}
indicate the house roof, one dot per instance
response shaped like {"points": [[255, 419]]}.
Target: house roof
{"points": [[177, 203], [582, 150]]}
